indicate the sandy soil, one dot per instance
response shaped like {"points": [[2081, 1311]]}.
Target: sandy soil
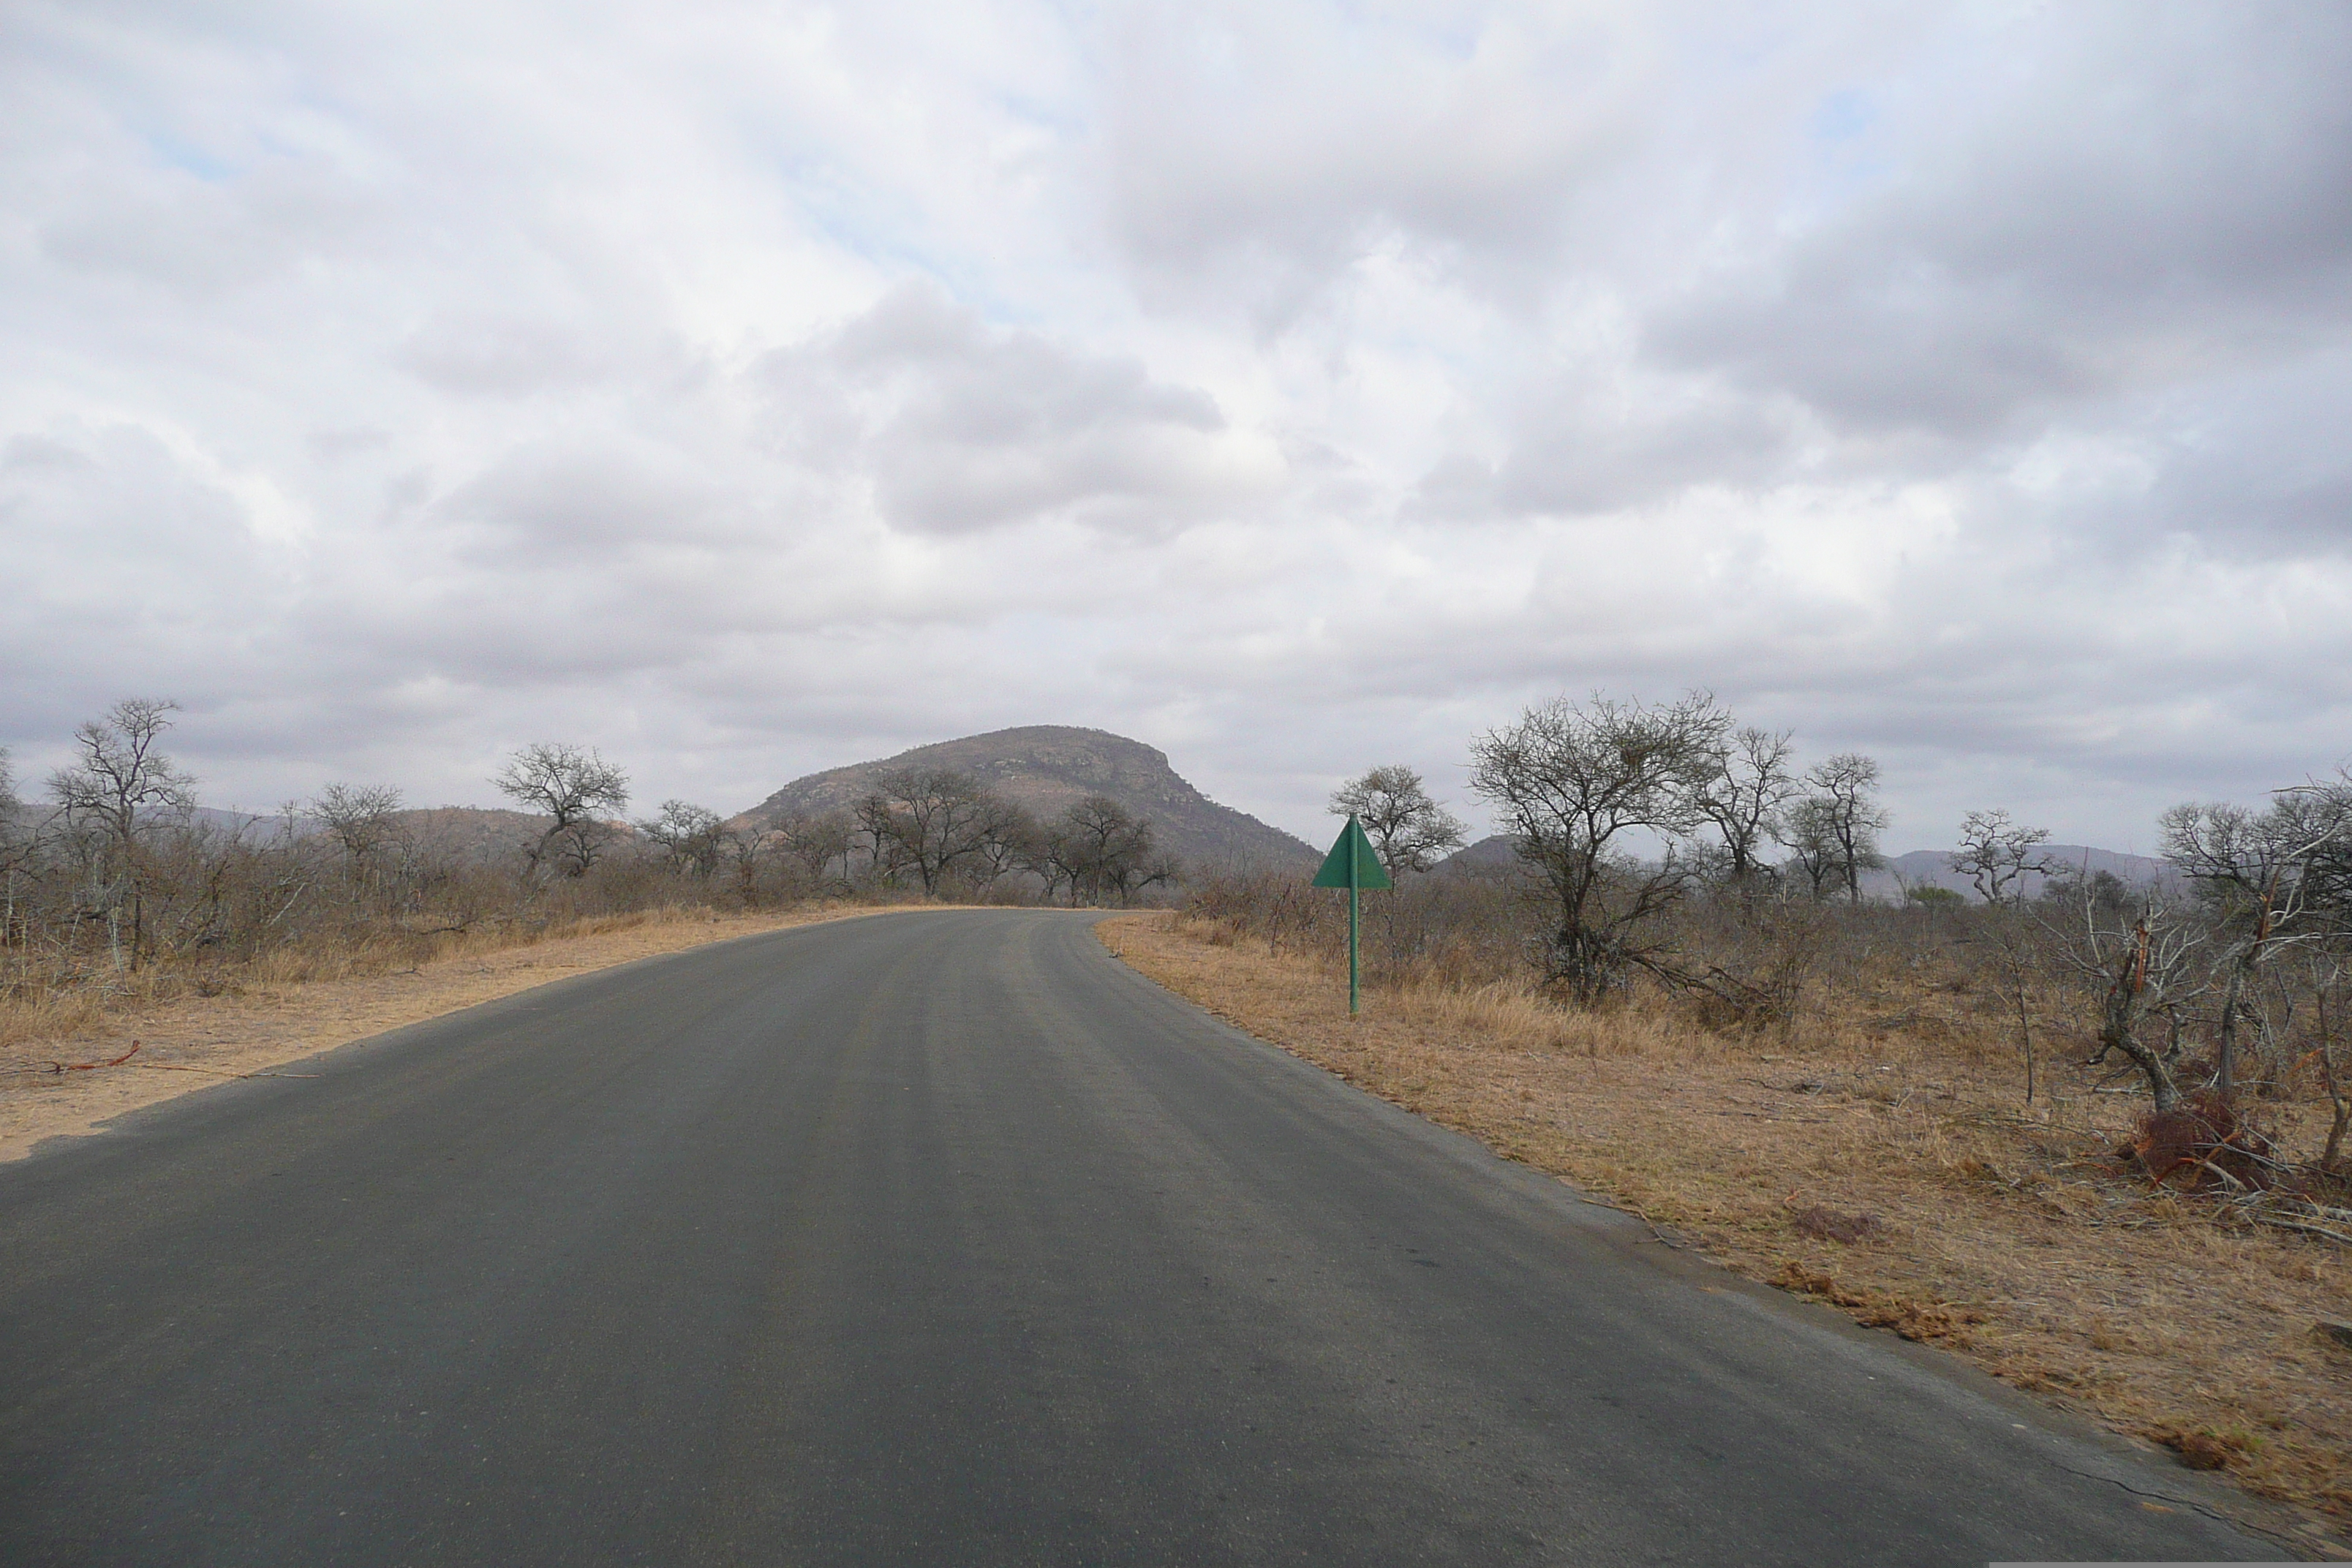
{"points": [[1881, 1176], [187, 1043]]}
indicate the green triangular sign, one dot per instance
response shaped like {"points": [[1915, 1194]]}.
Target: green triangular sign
{"points": [[1370, 875]]}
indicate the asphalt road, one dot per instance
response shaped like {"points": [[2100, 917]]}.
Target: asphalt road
{"points": [[937, 1238]]}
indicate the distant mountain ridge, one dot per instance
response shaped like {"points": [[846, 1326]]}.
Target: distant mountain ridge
{"points": [[1933, 867], [1916, 869], [1045, 768]]}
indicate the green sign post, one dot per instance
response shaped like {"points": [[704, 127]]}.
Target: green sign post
{"points": [[1355, 866]]}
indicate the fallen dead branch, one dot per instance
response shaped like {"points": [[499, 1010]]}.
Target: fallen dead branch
{"points": [[59, 1070], [2283, 1223], [61, 1067]]}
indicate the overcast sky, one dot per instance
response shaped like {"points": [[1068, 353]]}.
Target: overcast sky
{"points": [[747, 389]]}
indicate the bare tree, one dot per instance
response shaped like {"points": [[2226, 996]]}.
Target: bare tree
{"points": [[878, 826], [930, 819], [1408, 828], [15, 842], [2250, 867], [1573, 780], [1996, 853], [362, 819], [1808, 831], [2329, 979], [1840, 819], [1004, 841], [1754, 781], [745, 849], [577, 788], [815, 842], [2018, 940], [2138, 965], [118, 778], [16, 847], [1102, 851], [691, 837]]}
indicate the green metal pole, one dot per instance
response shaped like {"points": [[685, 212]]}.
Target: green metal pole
{"points": [[1355, 924]]}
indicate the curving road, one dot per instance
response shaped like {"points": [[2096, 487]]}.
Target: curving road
{"points": [[937, 1238]]}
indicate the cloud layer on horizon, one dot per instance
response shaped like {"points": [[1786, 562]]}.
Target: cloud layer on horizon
{"points": [[1296, 388]]}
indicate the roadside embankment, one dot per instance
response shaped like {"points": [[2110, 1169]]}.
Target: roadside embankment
{"points": [[1892, 1175]]}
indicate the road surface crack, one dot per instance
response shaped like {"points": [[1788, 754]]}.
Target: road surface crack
{"points": [[2216, 1515]]}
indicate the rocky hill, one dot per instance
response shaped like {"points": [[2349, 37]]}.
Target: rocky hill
{"points": [[1047, 767]]}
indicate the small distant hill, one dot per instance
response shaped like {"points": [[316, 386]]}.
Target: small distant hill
{"points": [[1046, 768], [1490, 853], [1933, 867]]}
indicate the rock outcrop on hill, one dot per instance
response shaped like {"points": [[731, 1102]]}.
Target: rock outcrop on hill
{"points": [[1045, 768]]}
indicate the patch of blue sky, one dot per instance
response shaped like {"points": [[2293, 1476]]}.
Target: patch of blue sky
{"points": [[886, 237], [1066, 120], [1851, 152], [1843, 115], [1455, 37], [177, 152]]}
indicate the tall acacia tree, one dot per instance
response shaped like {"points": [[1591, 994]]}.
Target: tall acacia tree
{"points": [[1996, 853], [1575, 782], [116, 781], [1841, 819], [1408, 828], [1754, 780], [575, 787]]}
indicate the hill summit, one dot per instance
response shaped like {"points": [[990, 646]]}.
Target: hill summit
{"points": [[1045, 768]]}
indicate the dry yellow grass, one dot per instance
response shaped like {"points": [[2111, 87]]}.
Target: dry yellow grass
{"points": [[273, 1013], [2001, 1234]]}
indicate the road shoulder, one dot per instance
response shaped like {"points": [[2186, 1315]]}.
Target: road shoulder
{"points": [[75, 1086]]}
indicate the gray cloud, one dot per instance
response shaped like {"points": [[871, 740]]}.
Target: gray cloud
{"points": [[1296, 387], [502, 358], [2112, 220], [553, 498], [959, 428]]}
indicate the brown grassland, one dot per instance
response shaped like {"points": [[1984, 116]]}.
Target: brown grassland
{"points": [[1889, 1168], [259, 1016]]}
